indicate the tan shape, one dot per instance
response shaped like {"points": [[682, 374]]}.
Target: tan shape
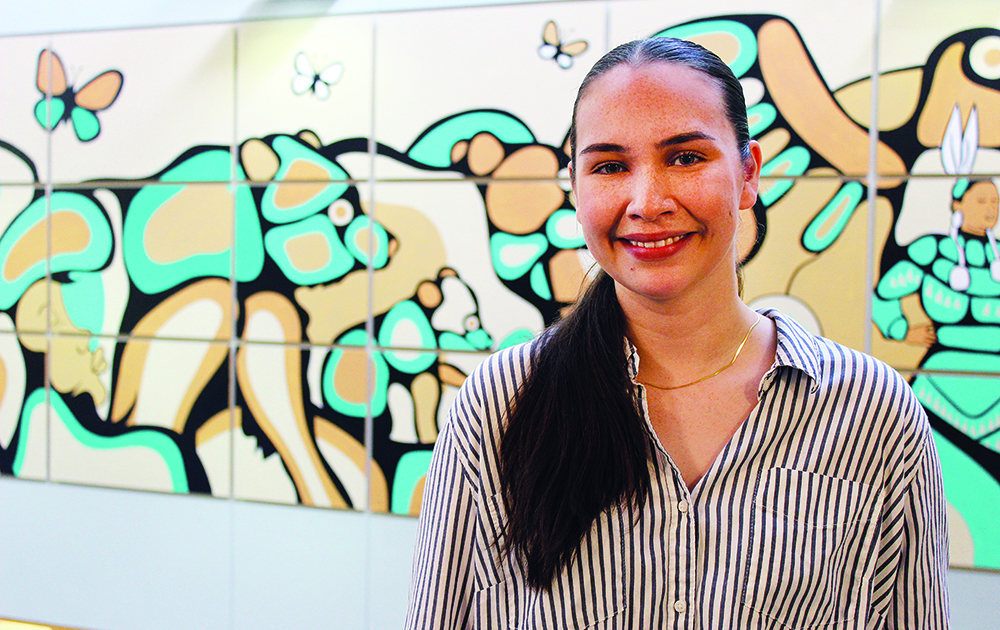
{"points": [[260, 162], [451, 375], [429, 294], [51, 77], [73, 368], [349, 375], [310, 138], [772, 143], [303, 181], [725, 45], [100, 92], [426, 390], [485, 153], [291, 436], [70, 234], [415, 500], [378, 489], [567, 275], [781, 253], [899, 95], [833, 284], [339, 306], [308, 252], [220, 423], [136, 351], [951, 87], [197, 220], [802, 98], [521, 207], [459, 151]]}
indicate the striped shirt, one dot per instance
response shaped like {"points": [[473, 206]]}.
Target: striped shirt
{"points": [[826, 508]]}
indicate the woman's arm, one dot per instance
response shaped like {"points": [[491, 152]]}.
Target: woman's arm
{"points": [[920, 599], [441, 585]]}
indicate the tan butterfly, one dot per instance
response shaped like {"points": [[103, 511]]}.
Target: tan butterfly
{"points": [[553, 48]]}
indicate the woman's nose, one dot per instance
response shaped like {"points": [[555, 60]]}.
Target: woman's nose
{"points": [[651, 196]]}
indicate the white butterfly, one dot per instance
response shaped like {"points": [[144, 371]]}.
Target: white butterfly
{"points": [[306, 79], [553, 48]]}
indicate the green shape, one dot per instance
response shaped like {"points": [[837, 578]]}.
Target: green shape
{"points": [[888, 316], [924, 250], [381, 241], [849, 195], [747, 54], [409, 471], [563, 230], [979, 338], [150, 276], [957, 361], [539, 282], [519, 336], [434, 145], [479, 339], [84, 301], [49, 116], [514, 255], [975, 253], [985, 310], [795, 160], [289, 152], [156, 441], [93, 256], [902, 279], [947, 248], [451, 341], [85, 124], [968, 397], [976, 496], [981, 282], [766, 113], [378, 389], [406, 326], [941, 303], [276, 243]]}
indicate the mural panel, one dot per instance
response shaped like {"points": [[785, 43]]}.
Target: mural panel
{"points": [[285, 315]]}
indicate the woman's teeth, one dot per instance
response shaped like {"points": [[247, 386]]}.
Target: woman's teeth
{"points": [[654, 244]]}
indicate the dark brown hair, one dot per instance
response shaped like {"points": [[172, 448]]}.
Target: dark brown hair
{"points": [[575, 443]]}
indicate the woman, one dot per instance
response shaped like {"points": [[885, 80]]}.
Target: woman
{"points": [[665, 456]]}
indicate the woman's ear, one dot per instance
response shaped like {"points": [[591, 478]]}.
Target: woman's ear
{"points": [[751, 176]]}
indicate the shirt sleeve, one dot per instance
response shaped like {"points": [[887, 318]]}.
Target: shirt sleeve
{"points": [[441, 587], [920, 599]]}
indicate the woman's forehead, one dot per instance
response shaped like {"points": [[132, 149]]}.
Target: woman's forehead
{"points": [[663, 91]]}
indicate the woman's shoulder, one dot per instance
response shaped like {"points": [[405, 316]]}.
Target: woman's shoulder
{"points": [[842, 373]]}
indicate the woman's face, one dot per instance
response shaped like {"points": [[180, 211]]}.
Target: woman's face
{"points": [[979, 207], [659, 180]]}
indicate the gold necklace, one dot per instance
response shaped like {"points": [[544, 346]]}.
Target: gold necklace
{"points": [[715, 373]]}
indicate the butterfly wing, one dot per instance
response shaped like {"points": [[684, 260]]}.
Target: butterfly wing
{"points": [[48, 112], [550, 34], [85, 124], [574, 48], [305, 76], [51, 77], [332, 73], [100, 92]]}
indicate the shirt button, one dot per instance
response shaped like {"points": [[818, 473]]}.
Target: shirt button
{"points": [[680, 606], [682, 507]]}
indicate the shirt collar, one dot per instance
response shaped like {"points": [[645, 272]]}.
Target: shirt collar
{"points": [[796, 349]]}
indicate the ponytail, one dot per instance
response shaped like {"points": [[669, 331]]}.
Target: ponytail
{"points": [[575, 442]]}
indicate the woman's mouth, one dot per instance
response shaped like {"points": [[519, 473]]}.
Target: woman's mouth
{"points": [[654, 244]]}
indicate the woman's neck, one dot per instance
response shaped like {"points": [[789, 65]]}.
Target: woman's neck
{"points": [[685, 338]]}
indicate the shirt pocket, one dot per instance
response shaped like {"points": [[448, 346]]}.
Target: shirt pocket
{"points": [[811, 550]]}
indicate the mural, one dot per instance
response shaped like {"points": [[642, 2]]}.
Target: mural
{"points": [[287, 317]]}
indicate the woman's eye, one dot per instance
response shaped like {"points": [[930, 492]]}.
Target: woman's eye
{"points": [[687, 159], [609, 168]]}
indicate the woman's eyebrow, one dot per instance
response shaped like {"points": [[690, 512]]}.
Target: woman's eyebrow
{"points": [[684, 137], [681, 138]]}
